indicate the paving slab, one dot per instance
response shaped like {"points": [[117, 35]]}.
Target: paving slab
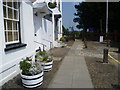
{"points": [[73, 72]]}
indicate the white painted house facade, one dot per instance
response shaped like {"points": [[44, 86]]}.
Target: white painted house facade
{"points": [[24, 28], [47, 23]]}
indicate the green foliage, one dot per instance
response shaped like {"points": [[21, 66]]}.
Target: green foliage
{"points": [[65, 31], [28, 59], [28, 67], [42, 53], [25, 66], [35, 68], [77, 34], [44, 56], [52, 5], [93, 15]]}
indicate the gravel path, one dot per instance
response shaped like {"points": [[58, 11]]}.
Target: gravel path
{"points": [[102, 75], [95, 49]]}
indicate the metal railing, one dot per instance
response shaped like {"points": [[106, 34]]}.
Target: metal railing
{"points": [[41, 44], [51, 43]]}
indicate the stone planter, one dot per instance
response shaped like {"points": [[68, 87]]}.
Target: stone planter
{"points": [[47, 66], [32, 81]]}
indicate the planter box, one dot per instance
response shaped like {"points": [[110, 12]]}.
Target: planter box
{"points": [[32, 81], [47, 66]]}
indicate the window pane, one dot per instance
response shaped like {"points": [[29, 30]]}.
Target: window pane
{"points": [[15, 14], [4, 24], [9, 4], [9, 24], [10, 13], [4, 2], [14, 25], [10, 38], [15, 36], [4, 10], [16, 5], [5, 36]]}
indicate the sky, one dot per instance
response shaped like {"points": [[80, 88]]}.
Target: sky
{"points": [[68, 11]]}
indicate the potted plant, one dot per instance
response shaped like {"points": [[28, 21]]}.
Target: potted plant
{"points": [[52, 5], [46, 60], [32, 73], [62, 39]]}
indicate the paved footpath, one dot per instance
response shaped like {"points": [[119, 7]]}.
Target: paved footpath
{"points": [[73, 72]]}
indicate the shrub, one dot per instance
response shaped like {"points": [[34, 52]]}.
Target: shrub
{"points": [[29, 67], [44, 56], [62, 39], [52, 5]]}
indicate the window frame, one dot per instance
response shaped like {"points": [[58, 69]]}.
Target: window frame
{"points": [[16, 44], [13, 19]]}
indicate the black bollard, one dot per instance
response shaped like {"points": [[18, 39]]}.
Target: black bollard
{"points": [[105, 56]]}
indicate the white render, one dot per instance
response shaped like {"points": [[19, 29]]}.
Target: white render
{"points": [[9, 66], [30, 25], [45, 30]]}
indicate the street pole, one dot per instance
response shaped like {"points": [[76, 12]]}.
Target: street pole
{"points": [[107, 21], [100, 25]]}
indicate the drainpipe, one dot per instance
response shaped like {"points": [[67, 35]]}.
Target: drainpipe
{"points": [[53, 22]]}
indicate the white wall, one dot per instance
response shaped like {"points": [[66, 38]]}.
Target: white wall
{"points": [[10, 60], [58, 33], [60, 20], [1, 39], [55, 11], [43, 30], [37, 31], [47, 32]]}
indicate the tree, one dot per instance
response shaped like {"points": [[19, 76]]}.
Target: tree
{"points": [[93, 15], [114, 16], [65, 31], [89, 15]]}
